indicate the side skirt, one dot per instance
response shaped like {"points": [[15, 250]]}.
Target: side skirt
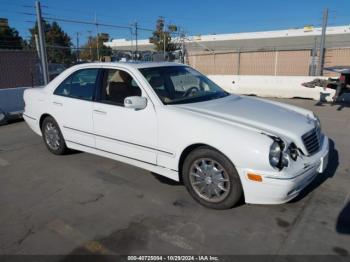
{"points": [[169, 173]]}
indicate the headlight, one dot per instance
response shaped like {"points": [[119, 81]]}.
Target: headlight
{"points": [[275, 154], [278, 159], [293, 151], [317, 122]]}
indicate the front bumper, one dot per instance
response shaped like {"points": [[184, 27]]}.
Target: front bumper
{"points": [[282, 188]]}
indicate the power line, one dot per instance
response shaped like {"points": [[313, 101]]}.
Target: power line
{"points": [[75, 11], [15, 5], [86, 22]]}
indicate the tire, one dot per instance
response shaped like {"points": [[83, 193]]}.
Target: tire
{"points": [[211, 179], [51, 133]]}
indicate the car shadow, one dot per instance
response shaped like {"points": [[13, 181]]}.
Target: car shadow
{"points": [[12, 121], [170, 182], [333, 163], [72, 152], [343, 221], [341, 105], [165, 180]]}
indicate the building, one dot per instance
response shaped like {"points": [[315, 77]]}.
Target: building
{"points": [[282, 52]]}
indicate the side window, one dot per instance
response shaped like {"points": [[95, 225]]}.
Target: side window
{"points": [[116, 86], [80, 84]]}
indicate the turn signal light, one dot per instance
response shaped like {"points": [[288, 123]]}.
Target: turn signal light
{"points": [[254, 177]]}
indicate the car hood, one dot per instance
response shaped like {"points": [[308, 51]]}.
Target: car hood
{"points": [[266, 116]]}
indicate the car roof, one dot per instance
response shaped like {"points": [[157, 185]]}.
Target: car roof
{"points": [[130, 65]]}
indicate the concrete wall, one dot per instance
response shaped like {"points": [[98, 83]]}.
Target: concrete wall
{"points": [[272, 86], [11, 102]]}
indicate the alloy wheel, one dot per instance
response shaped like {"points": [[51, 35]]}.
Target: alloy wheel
{"points": [[209, 180]]}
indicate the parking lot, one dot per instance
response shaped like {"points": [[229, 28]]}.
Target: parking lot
{"points": [[84, 204]]}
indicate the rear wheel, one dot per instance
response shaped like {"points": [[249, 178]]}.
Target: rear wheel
{"points": [[211, 179], [52, 136]]}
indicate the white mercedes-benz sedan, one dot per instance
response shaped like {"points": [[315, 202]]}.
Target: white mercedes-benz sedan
{"points": [[170, 119]]}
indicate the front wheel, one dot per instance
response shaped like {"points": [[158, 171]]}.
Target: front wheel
{"points": [[211, 179], [52, 136]]}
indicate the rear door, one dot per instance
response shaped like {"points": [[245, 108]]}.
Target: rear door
{"points": [[72, 105]]}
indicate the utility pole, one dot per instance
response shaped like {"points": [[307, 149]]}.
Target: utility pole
{"points": [[89, 41], [314, 57], [181, 36], [42, 44], [37, 44], [182, 49], [131, 38], [136, 41], [97, 40], [78, 47], [164, 44], [322, 44], [163, 31]]}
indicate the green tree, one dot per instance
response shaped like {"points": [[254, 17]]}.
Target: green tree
{"points": [[58, 43], [9, 37], [88, 51], [162, 36]]}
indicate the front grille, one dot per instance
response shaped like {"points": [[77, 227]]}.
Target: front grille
{"points": [[312, 141]]}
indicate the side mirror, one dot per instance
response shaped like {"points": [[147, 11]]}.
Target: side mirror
{"points": [[135, 102]]}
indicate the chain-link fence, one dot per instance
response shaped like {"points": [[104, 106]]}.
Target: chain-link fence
{"points": [[19, 68]]}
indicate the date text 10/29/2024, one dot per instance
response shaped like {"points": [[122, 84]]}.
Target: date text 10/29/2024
{"points": [[173, 258]]}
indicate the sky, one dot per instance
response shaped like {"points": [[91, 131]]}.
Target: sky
{"points": [[195, 17]]}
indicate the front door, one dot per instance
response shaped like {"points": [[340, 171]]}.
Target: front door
{"points": [[124, 131]]}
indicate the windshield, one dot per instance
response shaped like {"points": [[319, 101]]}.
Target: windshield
{"points": [[181, 84]]}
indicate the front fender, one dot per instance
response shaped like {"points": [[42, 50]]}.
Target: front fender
{"points": [[245, 147]]}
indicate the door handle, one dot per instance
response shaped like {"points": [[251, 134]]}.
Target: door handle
{"points": [[57, 103], [100, 112]]}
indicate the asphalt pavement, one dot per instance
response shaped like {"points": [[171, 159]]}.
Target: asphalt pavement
{"points": [[85, 204]]}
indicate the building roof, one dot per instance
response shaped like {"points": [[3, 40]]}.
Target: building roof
{"points": [[291, 39]]}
